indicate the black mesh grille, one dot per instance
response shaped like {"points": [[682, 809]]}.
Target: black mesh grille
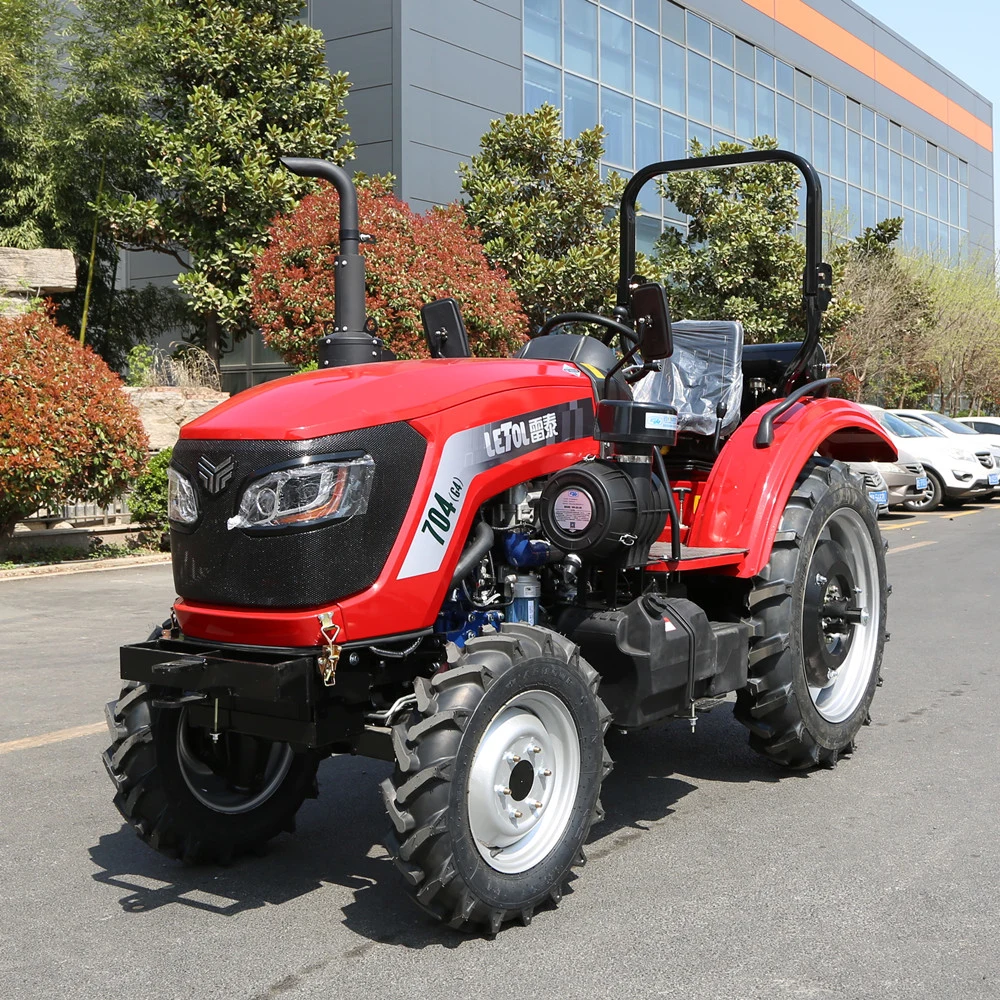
{"points": [[296, 568]]}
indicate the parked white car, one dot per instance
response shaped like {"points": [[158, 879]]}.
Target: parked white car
{"points": [[953, 473], [987, 426], [970, 437]]}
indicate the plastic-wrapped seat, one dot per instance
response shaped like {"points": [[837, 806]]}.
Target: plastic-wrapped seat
{"points": [[704, 371]]}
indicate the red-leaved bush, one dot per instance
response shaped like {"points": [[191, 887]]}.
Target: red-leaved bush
{"points": [[67, 431], [415, 259]]}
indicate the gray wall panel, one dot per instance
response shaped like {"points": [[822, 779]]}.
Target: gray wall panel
{"points": [[369, 113], [437, 170], [476, 27], [373, 158], [369, 57], [337, 19], [446, 122]]}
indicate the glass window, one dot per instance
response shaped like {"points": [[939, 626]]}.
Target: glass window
{"points": [[541, 85], [616, 117], [699, 133], [963, 172], [616, 51], [882, 129], [647, 65], [909, 226], [698, 85], [786, 122], [744, 108], [647, 232], [854, 157], [672, 24], [853, 115], [821, 97], [896, 209], [580, 38], [867, 122], [868, 210], [718, 137], [648, 12], [907, 142], [953, 202], [744, 57], [854, 209], [919, 187], [895, 176], [868, 164], [920, 149], [803, 88], [920, 231], [942, 163], [722, 46], [953, 166], [932, 235], [722, 98], [932, 193], [673, 76], [932, 152], [907, 181], [882, 208], [838, 197], [838, 150], [541, 29], [672, 212], [803, 131], [785, 77], [963, 207], [699, 33], [647, 134], [622, 6], [943, 200], [581, 105], [837, 106], [674, 141], [765, 112], [895, 136], [882, 171], [821, 142], [765, 67]]}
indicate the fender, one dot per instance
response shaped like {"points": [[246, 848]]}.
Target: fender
{"points": [[746, 493]]}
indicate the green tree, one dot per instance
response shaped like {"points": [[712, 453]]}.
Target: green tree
{"points": [[239, 84], [740, 258], [542, 210]]}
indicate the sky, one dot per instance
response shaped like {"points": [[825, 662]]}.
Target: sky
{"points": [[962, 35]]}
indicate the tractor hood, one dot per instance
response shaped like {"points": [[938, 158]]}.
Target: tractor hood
{"points": [[319, 403]]}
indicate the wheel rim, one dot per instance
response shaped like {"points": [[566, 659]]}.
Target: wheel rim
{"points": [[208, 769], [930, 498], [857, 644], [527, 763]]}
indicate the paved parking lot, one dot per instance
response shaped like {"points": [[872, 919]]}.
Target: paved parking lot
{"points": [[713, 876]]}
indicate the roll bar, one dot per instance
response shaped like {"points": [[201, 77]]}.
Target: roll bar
{"points": [[816, 277]]}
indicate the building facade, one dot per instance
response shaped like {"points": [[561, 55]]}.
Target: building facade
{"points": [[890, 131]]}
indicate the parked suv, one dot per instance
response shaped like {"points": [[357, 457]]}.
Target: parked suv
{"points": [[987, 426], [979, 443]]}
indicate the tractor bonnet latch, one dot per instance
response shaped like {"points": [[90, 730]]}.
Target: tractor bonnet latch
{"points": [[331, 655]]}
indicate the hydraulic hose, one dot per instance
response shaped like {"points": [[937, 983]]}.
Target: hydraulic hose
{"points": [[482, 542]]}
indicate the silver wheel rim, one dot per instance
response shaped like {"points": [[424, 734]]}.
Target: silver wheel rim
{"points": [[839, 698], [214, 791], [524, 781]]}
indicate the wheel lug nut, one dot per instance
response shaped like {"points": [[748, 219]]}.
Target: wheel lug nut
{"points": [[511, 758], [501, 789], [536, 804], [546, 772], [518, 814], [536, 749]]}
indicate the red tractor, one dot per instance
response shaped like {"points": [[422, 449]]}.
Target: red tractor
{"points": [[471, 568]]}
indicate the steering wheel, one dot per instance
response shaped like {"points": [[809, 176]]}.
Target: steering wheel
{"points": [[626, 335]]}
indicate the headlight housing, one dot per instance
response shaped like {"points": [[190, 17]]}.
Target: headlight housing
{"points": [[958, 455], [306, 494], [182, 503]]}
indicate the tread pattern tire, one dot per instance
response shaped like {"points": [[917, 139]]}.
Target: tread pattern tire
{"points": [[776, 705], [152, 795], [430, 838]]}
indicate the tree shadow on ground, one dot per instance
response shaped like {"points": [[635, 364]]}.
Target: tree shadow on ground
{"points": [[338, 839]]}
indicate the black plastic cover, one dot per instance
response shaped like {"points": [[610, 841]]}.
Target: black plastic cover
{"points": [[292, 568], [626, 422]]}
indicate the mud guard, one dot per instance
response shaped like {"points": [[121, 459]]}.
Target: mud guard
{"points": [[744, 496]]}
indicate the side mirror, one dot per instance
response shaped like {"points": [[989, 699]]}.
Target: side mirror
{"points": [[445, 330], [651, 314]]}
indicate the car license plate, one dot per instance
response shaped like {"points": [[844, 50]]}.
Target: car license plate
{"points": [[879, 497], [994, 478], [921, 482]]}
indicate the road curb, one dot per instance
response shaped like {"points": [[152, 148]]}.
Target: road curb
{"points": [[84, 566]]}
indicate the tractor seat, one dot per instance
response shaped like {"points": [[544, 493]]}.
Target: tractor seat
{"points": [[594, 357]]}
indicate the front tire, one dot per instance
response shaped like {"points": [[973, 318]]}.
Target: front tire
{"points": [[189, 796], [497, 780], [819, 607]]}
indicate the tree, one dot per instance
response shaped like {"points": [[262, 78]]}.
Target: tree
{"points": [[541, 208], [239, 85], [882, 349], [414, 259], [67, 431], [740, 258]]}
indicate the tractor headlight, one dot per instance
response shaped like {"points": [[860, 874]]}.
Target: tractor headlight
{"points": [[182, 504], [306, 494]]}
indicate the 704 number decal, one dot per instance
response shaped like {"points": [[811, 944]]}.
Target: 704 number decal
{"points": [[437, 521]]}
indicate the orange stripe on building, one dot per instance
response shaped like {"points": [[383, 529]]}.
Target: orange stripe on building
{"points": [[848, 48]]}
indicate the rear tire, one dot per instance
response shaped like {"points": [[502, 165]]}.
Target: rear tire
{"points": [[497, 778], [933, 498], [189, 797], [812, 673]]}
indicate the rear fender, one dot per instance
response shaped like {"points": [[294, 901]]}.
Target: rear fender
{"points": [[749, 486]]}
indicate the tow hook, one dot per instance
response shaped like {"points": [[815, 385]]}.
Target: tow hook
{"points": [[331, 655]]}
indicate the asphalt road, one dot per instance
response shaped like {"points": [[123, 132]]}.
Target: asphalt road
{"points": [[714, 875]]}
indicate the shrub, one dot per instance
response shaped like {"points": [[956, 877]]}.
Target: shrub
{"points": [[415, 259], [148, 500], [67, 431]]}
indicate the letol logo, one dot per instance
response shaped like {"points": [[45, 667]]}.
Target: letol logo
{"points": [[215, 477], [514, 434]]}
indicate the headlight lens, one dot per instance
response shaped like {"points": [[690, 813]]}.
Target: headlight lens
{"points": [[963, 456], [306, 494], [182, 504]]}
